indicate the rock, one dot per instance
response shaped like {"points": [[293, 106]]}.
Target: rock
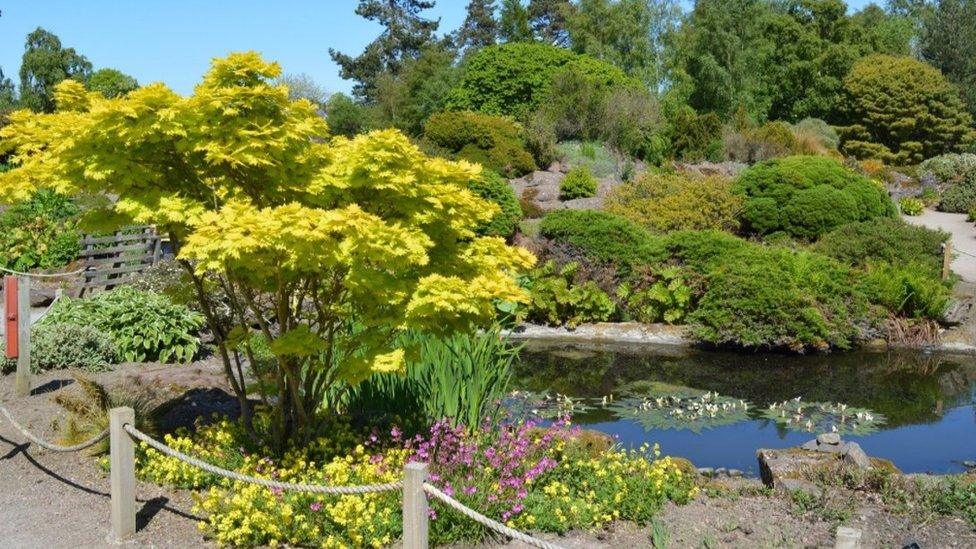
{"points": [[706, 471], [795, 484], [809, 445], [721, 471], [969, 464], [847, 538], [782, 468], [735, 473], [42, 297], [828, 438], [854, 455]]}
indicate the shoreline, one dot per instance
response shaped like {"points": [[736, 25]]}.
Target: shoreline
{"points": [[952, 341]]}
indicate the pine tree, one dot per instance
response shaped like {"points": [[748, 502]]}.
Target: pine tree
{"points": [[948, 42], [480, 28], [406, 32], [513, 24], [548, 21]]}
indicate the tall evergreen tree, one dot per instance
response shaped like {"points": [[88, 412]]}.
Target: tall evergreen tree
{"points": [[45, 64], [548, 20], [8, 97], [480, 28], [513, 25], [404, 35], [948, 42]]}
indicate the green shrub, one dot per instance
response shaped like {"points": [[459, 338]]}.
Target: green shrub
{"points": [[673, 202], [959, 194], [578, 183], [695, 136], [911, 206], [770, 140], [39, 233], [144, 326], [495, 188], [888, 240], [345, 116], [556, 300], [901, 110], [515, 78], [806, 196], [492, 141], [593, 155], [948, 168], [603, 237], [929, 196], [774, 298], [701, 251], [907, 290], [63, 346]]}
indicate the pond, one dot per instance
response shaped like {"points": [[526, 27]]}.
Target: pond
{"points": [[926, 400]]}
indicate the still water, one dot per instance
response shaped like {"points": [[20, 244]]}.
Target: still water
{"points": [[929, 400]]}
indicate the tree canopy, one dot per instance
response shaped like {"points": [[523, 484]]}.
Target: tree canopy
{"points": [[45, 64], [111, 82], [348, 242]]}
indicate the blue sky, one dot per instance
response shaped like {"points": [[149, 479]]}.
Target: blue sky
{"points": [[173, 40]]}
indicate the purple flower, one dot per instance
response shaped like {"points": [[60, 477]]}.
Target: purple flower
{"points": [[315, 506]]}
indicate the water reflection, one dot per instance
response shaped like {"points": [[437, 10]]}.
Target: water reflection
{"points": [[928, 399]]}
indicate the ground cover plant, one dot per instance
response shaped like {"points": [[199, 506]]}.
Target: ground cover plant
{"points": [[578, 183], [672, 202]]}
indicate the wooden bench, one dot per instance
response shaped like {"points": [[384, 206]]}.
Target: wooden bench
{"points": [[109, 260]]}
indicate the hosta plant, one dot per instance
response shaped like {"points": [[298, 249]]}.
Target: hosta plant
{"points": [[911, 206]]}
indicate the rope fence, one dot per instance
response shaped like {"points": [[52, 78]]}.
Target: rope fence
{"points": [[43, 275], [49, 445]]}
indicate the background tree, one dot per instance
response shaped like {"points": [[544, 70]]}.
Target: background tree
{"points": [[111, 82], [333, 247], [303, 86], [548, 21], [346, 117], [902, 111], [627, 33], [404, 101], [948, 42], [8, 94], [513, 23], [480, 28], [45, 64], [405, 33]]}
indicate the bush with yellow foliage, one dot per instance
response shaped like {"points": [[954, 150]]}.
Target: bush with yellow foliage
{"points": [[332, 245]]}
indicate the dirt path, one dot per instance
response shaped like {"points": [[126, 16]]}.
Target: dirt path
{"points": [[963, 238]]}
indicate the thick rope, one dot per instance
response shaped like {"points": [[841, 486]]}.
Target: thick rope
{"points": [[490, 523], [44, 275], [47, 310], [313, 488], [53, 447]]}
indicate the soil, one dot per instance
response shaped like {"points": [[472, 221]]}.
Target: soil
{"points": [[56, 500]]}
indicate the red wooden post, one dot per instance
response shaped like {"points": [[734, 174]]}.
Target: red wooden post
{"points": [[10, 316]]}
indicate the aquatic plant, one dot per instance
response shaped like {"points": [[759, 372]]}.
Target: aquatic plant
{"points": [[528, 405], [823, 417], [681, 411]]}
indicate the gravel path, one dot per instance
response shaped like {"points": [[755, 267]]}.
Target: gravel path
{"points": [[963, 238]]}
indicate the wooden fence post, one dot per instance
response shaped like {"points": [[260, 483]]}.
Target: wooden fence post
{"points": [[946, 259], [414, 506], [22, 383], [123, 473]]}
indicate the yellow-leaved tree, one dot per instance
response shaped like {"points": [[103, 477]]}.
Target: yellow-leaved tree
{"points": [[332, 246]]}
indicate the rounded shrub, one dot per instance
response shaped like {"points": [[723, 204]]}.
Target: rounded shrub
{"points": [[947, 169], [59, 346], [495, 188], [806, 196], [603, 237], [960, 196], [901, 110], [514, 78], [578, 183], [665, 202], [492, 141]]}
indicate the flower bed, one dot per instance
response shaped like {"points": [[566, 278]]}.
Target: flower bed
{"points": [[530, 476]]}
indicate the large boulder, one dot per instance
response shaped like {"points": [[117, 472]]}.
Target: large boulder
{"points": [[787, 468]]}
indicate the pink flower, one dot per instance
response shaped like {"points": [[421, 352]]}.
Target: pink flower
{"points": [[315, 506]]}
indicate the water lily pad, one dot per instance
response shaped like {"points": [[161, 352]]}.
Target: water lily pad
{"points": [[823, 417], [681, 411]]}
